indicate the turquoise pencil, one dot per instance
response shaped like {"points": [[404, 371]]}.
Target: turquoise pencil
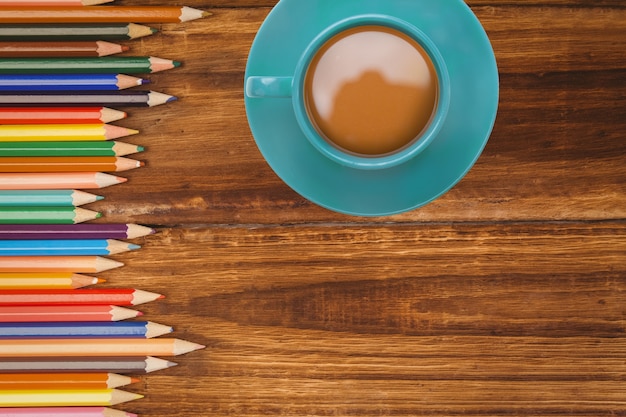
{"points": [[46, 198], [64, 247]]}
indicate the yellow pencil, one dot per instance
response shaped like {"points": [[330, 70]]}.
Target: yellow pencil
{"points": [[57, 398], [62, 132], [45, 280]]}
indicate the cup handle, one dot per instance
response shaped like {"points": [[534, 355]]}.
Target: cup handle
{"points": [[268, 87]]}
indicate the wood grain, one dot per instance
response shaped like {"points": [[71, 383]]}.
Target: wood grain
{"points": [[505, 297]]}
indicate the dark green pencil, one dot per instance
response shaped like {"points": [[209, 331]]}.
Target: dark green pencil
{"points": [[68, 148]]}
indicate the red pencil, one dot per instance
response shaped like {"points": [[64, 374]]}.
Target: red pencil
{"points": [[102, 296], [59, 115], [65, 313]]}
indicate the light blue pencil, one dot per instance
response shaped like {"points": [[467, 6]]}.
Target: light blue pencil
{"points": [[134, 329], [64, 247], [46, 198]]}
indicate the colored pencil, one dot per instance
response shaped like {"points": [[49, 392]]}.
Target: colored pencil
{"points": [[47, 281], [67, 148], [56, 49], [58, 180], [88, 380], [68, 82], [133, 98], [100, 14], [102, 296], [160, 346], [74, 32], [63, 412], [57, 3], [79, 264], [63, 132], [65, 313], [55, 398], [77, 231], [116, 364], [47, 198], [65, 247], [59, 115], [82, 65], [123, 329], [67, 163], [46, 215]]}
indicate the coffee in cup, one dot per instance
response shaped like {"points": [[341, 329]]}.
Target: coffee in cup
{"points": [[371, 90]]}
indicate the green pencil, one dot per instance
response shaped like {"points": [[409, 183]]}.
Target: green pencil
{"points": [[46, 215], [46, 198], [68, 148], [82, 65]]}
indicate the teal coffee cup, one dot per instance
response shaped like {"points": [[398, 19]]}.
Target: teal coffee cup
{"points": [[370, 91], [371, 107]]}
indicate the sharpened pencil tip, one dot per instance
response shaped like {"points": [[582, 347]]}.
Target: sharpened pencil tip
{"points": [[176, 63], [140, 148], [132, 246], [99, 198], [98, 215], [154, 30], [100, 280], [139, 313], [206, 14], [172, 98], [142, 164], [160, 297], [145, 81], [125, 48]]}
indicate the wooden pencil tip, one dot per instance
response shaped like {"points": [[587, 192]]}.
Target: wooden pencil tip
{"points": [[142, 164], [176, 63], [134, 380], [139, 313], [207, 14], [99, 198], [125, 48], [100, 281]]}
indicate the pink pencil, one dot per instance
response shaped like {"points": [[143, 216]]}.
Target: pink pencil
{"points": [[64, 412]]}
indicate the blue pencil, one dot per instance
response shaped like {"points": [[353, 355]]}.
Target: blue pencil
{"points": [[126, 329], [68, 82], [64, 247]]}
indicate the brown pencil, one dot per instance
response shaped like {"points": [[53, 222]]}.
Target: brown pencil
{"points": [[57, 49], [117, 364]]}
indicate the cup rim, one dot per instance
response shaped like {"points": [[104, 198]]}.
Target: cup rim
{"points": [[377, 161]]}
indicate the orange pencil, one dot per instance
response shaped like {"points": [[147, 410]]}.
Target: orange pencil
{"points": [[160, 346], [90, 380], [57, 180], [65, 313], [80, 264], [67, 163], [100, 14]]}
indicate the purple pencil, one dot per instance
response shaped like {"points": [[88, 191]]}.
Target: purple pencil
{"points": [[73, 231]]}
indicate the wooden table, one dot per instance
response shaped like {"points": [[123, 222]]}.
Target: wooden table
{"points": [[506, 296]]}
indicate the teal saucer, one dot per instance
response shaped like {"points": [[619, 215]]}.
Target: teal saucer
{"points": [[471, 64]]}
